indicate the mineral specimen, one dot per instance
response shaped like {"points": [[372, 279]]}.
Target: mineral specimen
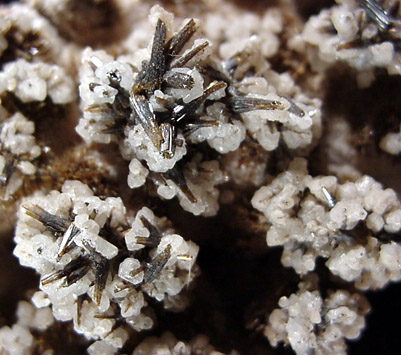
{"points": [[139, 139], [73, 240]]}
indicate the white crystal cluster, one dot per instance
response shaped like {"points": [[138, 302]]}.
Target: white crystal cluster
{"points": [[23, 21], [206, 111], [36, 81], [41, 61], [177, 272], [202, 178], [29, 82], [94, 68], [137, 145], [18, 150], [34, 61], [78, 199], [315, 216], [167, 344], [220, 25], [289, 115], [247, 166], [18, 339], [85, 300], [297, 124], [310, 323], [28, 76], [348, 32], [226, 136]]}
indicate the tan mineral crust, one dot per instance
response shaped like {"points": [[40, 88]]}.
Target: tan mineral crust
{"points": [[199, 177]]}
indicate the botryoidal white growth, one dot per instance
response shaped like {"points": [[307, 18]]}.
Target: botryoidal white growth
{"points": [[18, 149], [315, 216], [310, 323], [89, 273], [361, 38], [18, 339]]}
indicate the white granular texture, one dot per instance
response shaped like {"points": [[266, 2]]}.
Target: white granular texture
{"points": [[94, 67], [305, 224], [247, 165], [346, 218], [168, 344], [201, 179], [370, 267], [223, 136], [16, 136], [351, 24], [297, 122], [137, 174], [26, 20], [36, 81], [19, 148], [309, 323], [139, 145], [18, 339], [38, 248], [298, 125], [221, 27]]}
